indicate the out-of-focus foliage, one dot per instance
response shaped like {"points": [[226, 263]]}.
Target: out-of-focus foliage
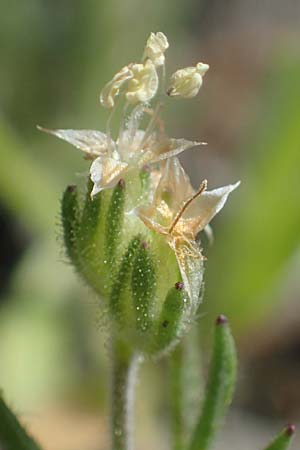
{"points": [[262, 230]]}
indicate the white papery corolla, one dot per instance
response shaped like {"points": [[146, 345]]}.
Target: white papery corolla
{"points": [[156, 46], [133, 149], [186, 82]]}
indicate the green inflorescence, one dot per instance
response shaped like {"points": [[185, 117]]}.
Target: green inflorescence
{"points": [[131, 268]]}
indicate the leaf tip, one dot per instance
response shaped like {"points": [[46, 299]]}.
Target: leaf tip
{"points": [[71, 188], [121, 183], [290, 429], [145, 245], [179, 286], [221, 320]]}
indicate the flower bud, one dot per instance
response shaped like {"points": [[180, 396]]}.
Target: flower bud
{"points": [[156, 46], [186, 82], [143, 86]]}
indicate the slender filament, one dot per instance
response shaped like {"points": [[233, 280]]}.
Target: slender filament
{"points": [[201, 189]]}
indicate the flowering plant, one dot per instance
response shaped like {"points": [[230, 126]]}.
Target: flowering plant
{"points": [[135, 239]]}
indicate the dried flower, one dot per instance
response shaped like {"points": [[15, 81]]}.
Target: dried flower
{"points": [[179, 213]]}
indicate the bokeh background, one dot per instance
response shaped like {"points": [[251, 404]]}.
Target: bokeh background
{"points": [[55, 57]]}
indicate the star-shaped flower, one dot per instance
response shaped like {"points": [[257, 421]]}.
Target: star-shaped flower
{"points": [[179, 213], [134, 148], [137, 84]]}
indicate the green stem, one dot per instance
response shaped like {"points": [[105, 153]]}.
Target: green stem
{"points": [[176, 410], [185, 389], [124, 371]]}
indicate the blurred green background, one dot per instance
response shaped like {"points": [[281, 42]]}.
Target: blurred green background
{"points": [[55, 57]]}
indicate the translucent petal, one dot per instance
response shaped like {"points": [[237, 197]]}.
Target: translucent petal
{"points": [[91, 142], [166, 149], [129, 147], [106, 172], [190, 262], [206, 206], [147, 215], [174, 184]]}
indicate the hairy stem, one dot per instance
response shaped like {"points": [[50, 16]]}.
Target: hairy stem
{"points": [[124, 371], [176, 386], [185, 389]]}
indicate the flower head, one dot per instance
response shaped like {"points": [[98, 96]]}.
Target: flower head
{"points": [[179, 213], [144, 261]]}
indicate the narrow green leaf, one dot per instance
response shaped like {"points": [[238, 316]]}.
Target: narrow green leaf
{"points": [[143, 287], [220, 387], [184, 381], [283, 440], [114, 221], [13, 436], [70, 222]]}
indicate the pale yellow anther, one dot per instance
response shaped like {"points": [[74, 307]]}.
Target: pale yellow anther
{"points": [[186, 82], [143, 86], [156, 46], [112, 89]]}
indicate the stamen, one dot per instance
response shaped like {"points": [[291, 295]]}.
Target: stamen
{"points": [[123, 123], [162, 81], [201, 189], [135, 118], [153, 122], [108, 129]]}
